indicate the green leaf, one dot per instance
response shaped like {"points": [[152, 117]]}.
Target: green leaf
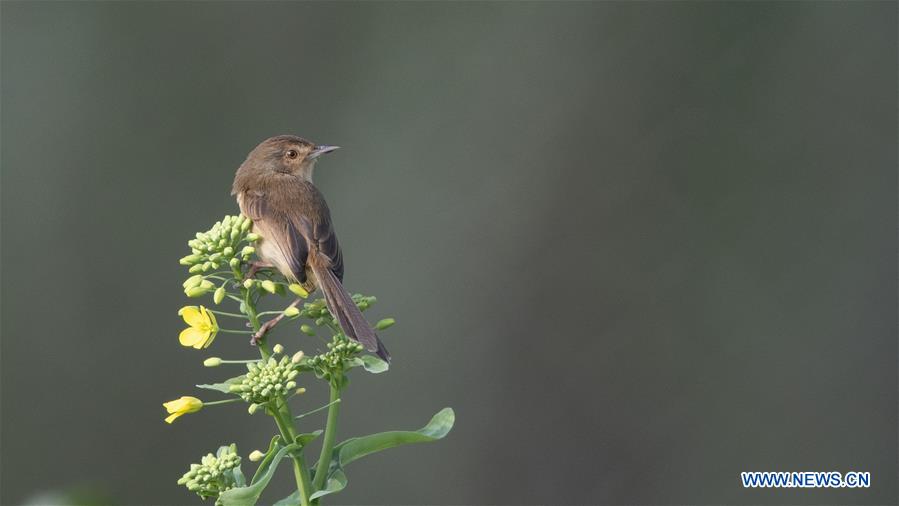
{"points": [[223, 387], [370, 363], [247, 496], [336, 482], [269, 455], [358, 447], [291, 500], [239, 478], [304, 438]]}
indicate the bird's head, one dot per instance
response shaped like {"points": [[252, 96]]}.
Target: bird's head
{"points": [[284, 155]]}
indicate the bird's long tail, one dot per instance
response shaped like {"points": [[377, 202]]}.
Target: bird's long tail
{"points": [[348, 315]]}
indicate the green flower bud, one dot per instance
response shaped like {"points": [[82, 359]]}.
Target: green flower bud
{"points": [[234, 263], [248, 283], [212, 362], [269, 286], [195, 269], [306, 329], [219, 295], [246, 225], [196, 291], [385, 323], [193, 281], [235, 233], [298, 290], [253, 408], [277, 349], [228, 252], [291, 312], [247, 251], [256, 456], [252, 237], [189, 260]]}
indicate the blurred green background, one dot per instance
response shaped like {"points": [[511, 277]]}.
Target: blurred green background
{"points": [[639, 247]]}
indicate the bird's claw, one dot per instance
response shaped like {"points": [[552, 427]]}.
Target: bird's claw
{"points": [[263, 330], [255, 267]]}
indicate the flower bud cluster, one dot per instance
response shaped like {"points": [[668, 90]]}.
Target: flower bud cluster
{"points": [[220, 245], [339, 349], [364, 302], [212, 475], [317, 310], [266, 379], [197, 285]]}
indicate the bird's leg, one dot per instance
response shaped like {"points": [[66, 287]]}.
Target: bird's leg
{"points": [[270, 324], [254, 268]]}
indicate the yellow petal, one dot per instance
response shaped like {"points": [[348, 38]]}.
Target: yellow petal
{"points": [[210, 319], [209, 338], [192, 316], [191, 336], [171, 418]]}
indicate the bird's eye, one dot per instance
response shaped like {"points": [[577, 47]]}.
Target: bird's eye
{"points": [[292, 154]]}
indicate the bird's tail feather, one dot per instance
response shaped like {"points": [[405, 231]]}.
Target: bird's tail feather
{"points": [[348, 315]]}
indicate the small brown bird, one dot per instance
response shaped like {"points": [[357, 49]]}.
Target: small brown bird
{"points": [[274, 188]]}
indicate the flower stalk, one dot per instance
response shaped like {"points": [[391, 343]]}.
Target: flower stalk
{"points": [[285, 423], [324, 459]]}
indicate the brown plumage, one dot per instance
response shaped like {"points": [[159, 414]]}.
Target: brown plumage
{"points": [[274, 188]]}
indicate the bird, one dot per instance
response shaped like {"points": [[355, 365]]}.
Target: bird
{"points": [[274, 188]]}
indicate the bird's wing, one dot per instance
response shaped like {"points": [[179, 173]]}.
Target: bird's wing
{"points": [[289, 248], [293, 232], [329, 247]]}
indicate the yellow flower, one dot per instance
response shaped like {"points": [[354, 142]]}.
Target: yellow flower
{"points": [[181, 406], [202, 328]]}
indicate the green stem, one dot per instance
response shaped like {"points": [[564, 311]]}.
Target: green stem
{"points": [[226, 401], [299, 469], [324, 460], [250, 307], [235, 315], [269, 312], [316, 410], [281, 413], [230, 331]]}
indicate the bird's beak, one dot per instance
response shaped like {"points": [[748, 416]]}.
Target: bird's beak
{"points": [[320, 150]]}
